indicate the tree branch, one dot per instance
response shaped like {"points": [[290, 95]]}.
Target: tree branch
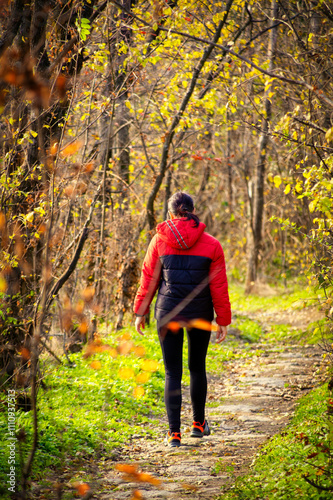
{"points": [[315, 485], [318, 92], [15, 21], [70, 44], [66, 275], [170, 133]]}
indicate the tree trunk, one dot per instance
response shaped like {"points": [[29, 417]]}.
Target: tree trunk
{"points": [[229, 165], [259, 178], [167, 193]]}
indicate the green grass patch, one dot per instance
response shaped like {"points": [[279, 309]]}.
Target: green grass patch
{"points": [[250, 330], [279, 300], [303, 451], [87, 412]]}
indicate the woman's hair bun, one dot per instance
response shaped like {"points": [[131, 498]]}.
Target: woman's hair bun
{"points": [[181, 204]]}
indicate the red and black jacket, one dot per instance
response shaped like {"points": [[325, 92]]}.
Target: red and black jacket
{"points": [[187, 266]]}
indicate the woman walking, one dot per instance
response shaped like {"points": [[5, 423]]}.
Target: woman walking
{"points": [[187, 266]]}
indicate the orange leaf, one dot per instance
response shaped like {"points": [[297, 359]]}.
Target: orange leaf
{"points": [[201, 324], [61, 86], [83, 327], [89, 167], [71, 148], [142, 377], [69, 191], [25, 353], [2, 221], [112, 352], [150, 365], [11, 77], [82, 488], [125, 336], [79, 307], [137, 495], [143, 477], [54, 148], [92, 348], [138, 391], [125, 347], [139, 350], [127, 468], [96, 365], [126, 373], [88, 293], [42, 229], [174, 326]]}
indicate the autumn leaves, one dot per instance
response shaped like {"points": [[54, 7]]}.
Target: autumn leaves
{"points": [[124, 346]]}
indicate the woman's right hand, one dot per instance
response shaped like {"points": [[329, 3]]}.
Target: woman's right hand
{"points": [[140, 323], [221, 333]]}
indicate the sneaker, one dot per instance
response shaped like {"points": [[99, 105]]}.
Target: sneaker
{"points": [[200, 430], [173, 439]]}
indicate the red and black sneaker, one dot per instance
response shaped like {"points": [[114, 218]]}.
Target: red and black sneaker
{"points": [[173, 439], [200, 430]]}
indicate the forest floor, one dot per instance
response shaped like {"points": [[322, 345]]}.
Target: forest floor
{"points": [[253, 399]]}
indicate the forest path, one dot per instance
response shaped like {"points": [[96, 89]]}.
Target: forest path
{"points": [[252, 400]]}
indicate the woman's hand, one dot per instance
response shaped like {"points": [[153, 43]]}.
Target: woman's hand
{"points": [[221, 333], [140, 323]]}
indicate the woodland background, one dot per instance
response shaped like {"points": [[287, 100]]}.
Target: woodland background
{"points": [[109, 107]]}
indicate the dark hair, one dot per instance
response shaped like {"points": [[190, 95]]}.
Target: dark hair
{"points": [[181, 204]]}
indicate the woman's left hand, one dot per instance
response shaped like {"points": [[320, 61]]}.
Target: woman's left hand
{"points": [[140, 323]]}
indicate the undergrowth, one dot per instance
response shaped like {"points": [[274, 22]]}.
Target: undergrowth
{"points": [[300, 455], [93, 407]]}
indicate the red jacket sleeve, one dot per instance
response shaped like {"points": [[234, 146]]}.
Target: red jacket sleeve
{"points": [[218, 285], [150, 279]]}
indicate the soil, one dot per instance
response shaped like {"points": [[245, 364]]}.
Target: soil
{"points": [[253, 399]]}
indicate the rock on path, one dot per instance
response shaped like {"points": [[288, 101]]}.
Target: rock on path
{"points": [[251, 401]]}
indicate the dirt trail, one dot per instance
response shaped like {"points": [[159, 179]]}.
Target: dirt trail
{"points": [[252, 400]]}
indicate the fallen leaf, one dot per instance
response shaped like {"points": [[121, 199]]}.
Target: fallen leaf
{"points": [[190, 487]]}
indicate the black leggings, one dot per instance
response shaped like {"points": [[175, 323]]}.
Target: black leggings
{"points": [[172, 349]]}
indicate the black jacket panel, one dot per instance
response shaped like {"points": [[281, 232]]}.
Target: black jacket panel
{"points": [[181, 276]]}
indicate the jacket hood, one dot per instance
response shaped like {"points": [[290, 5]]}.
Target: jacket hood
{"points": [[180, 233]]}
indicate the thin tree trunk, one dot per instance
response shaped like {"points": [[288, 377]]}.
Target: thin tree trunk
{"points": [[167, 194], [229, 166], [259, 178]]}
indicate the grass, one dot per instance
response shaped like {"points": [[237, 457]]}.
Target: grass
{"points": [[303, 450], [295, 298], [85, 411]]}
